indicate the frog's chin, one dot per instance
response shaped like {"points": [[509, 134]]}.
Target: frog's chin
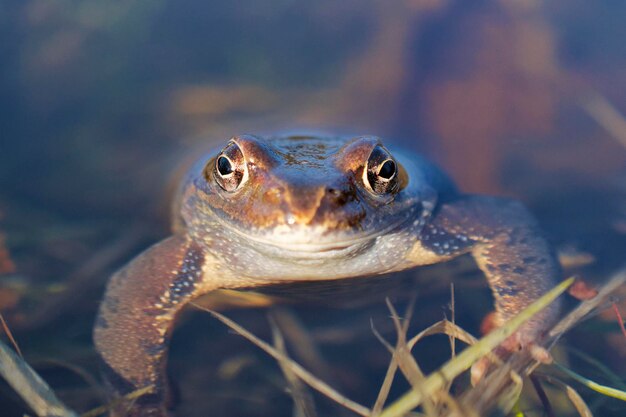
{"points": [[303, 250], [310, 251]]}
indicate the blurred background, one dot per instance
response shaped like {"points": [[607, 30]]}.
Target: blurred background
{"points": [[100, 102]]}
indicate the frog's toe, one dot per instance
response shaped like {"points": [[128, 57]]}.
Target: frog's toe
{"points": [[479, 370], [519, 341]]}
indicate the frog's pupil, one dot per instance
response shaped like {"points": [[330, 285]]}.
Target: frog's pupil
{"points": [[224, 166], [387, 170]]}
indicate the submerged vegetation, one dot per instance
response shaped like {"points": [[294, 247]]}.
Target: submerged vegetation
{"points": [[499, 389]]}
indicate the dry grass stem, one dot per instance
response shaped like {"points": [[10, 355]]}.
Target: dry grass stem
{"points": [[586, 307], [543, 397], [620, 320], [402, 354], [575, 398], [577, 401], [303, 401], [441, 327], [409, 367], [129, 398], [81, 280], [303, 344], [385, 387], [498, 389], [298, 370], [485, 395], [7, 331], [401, 358], [29, 386], [607, 116], [465, 359], [83, 374], [452, 320]]}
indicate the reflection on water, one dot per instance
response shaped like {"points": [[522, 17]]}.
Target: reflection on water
{"points": [[101, 102]]}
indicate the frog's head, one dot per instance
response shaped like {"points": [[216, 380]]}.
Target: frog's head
{"points": [[303, 195]]}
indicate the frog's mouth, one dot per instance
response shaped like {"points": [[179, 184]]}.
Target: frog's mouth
{"points": [[309, 243]]}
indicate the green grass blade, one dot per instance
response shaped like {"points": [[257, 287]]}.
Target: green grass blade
{"points": [[465, 359], [602, 389]]}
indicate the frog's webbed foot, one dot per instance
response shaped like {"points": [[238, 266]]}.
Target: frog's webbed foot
{"points": [[136, 317], [508, 247], [511, 345], [518, 341]]}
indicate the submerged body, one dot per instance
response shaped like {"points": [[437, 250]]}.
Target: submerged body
{"points": [[266, 211]]}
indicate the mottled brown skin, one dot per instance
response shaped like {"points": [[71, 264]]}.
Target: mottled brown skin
{"points": [[292, 209]]}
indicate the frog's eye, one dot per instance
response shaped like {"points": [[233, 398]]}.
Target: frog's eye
{"points": [[380, 175], [230, 170]]}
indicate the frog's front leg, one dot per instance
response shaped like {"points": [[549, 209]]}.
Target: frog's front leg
{"points": [[137, 314], [508, 247]]}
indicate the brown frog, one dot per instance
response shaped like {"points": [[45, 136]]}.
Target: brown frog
{"points": [[294, 209]]}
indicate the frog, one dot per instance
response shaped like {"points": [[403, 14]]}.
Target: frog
{"points": [[294, 209]]}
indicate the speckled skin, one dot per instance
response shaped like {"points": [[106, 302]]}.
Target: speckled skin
{"points": [[307, 209]]}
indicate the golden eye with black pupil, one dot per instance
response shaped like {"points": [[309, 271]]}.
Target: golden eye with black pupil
{"points": [[230, 170], [380, 175]]}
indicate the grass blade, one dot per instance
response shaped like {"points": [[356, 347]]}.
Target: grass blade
{"points": [[602, 389], [29, 386], [298, 370], [465, 359]]}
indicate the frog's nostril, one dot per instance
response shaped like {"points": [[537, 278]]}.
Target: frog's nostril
{"points": [[338, 196]]}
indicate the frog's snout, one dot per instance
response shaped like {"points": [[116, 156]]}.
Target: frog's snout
{"points": [[323, 204], [340, 196]]}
